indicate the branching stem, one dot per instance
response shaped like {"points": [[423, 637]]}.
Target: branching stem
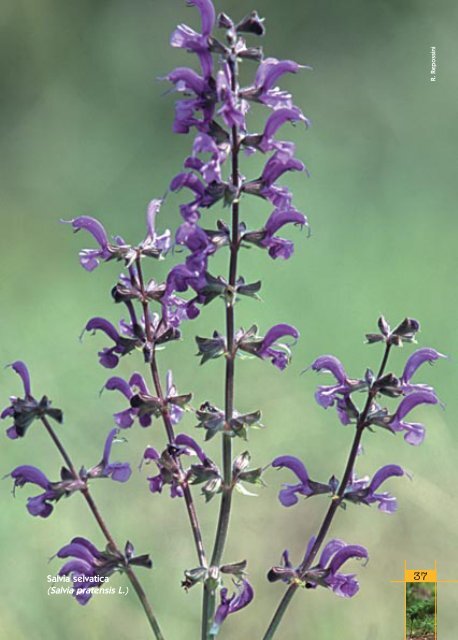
{"points": [[335, 503], [109, 538]]}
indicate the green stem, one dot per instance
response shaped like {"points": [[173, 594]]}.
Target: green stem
{"points": [[190, 506], [109, 538], [227, 487], [335, 503]]}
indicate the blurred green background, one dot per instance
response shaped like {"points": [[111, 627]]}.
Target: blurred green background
{"points": [[86, 129]]}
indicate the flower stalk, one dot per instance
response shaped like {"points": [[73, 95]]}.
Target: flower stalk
{"points": [[147, 608], [187, 494]]}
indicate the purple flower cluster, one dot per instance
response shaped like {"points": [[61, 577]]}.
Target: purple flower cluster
{"points": [[216, 107], [90, 568], [412, 394], [70, 482], [352, 489], [171, 473], [326, 572]]}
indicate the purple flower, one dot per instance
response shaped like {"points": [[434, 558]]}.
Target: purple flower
{"points": [[268, 348], [364, 490], [288, 496], [118, 471], [205, 195], [109, 356], [91, 258], [25, 410], [16, 407], [414, 432], [238, 600], [233, 111], [266, 238], [154, 245], [193, 273], [265, 90], [125, 419], [282, 161], [175, 410], [170, 471], [41, 505], [415, 361], [326, 574], [90, 568], [278, 353], [187, 80], [186, 38], [337, 394], [266, 142], [210, 170]]}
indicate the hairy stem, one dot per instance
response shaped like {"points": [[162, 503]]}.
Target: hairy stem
{"points": [[190, 506], [335, 503], [227, 487], [109, 538]]}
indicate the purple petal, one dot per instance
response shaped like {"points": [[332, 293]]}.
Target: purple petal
{"points": [[281, 162], [271, 69], [332, 547], [417, 359], [151, 213], [138, 381], [38, 506], [20, 368], [413, 400], [12, 433], [188, 180], [76, 550], [155, 484], [332, 365], [88, 544], [279, 117], [186, 79], [279, 331], [207, 14], [294, 464], [310, 545], [383, 474], [280, 217], [93, 226], [108, 444], [183, 440], [77, 566], [279, 248], [124, 419], [386, 502], [415, 433], [100, 324], [25, 473], [151, 454], [108, 359], [118, 384], [237, 601], [344, 554], [345, 586], [222, 611], [288, 495], [119, 471]]}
